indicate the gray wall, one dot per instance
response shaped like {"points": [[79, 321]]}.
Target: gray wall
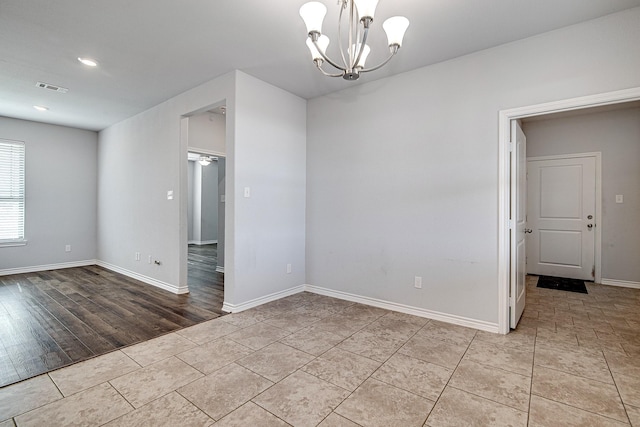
{"points": [[616, 134], [209, 196], [202, 209], [202, 206], [191, 170], [221, 225], [60, 191], [402, 173]]}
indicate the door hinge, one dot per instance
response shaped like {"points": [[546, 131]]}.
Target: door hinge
{"points": [[510, 224], [510, 146]]}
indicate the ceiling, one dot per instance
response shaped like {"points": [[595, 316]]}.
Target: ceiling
{"points": [[152, 50]]}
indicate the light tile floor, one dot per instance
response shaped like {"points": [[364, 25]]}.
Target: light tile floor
{"points": [[309, 360]]}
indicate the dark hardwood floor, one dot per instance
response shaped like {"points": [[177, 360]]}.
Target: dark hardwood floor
{"points": [[55, 318], [202, 263]]}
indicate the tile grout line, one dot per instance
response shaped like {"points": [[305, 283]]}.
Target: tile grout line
{"points": [[449, 380], [533, 365], [617, 389]]}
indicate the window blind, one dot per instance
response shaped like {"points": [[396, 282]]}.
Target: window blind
{"points": [[12, 154]]}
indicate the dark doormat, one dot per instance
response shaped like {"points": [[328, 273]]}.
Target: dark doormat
{"points": [[562, 284]]}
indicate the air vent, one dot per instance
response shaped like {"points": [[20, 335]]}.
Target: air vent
{"points": [[52, 87]]}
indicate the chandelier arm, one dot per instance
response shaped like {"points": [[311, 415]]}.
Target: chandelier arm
{"points": [[356, 26], [333, 64], [364, 40], [344, 61], [352, 28], [378, 66], [329, 74]]}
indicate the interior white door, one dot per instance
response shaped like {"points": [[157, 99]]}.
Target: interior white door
{"points": [[519, 221], [561, 214]]}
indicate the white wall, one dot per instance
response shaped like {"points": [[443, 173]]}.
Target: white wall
{"points": [[207, 133], [265, 147], [60, 192], [616, 134], [402, 173], [270, 156]]}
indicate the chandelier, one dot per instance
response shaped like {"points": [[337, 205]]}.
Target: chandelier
{"points": [[354, 57], [206, 160]]}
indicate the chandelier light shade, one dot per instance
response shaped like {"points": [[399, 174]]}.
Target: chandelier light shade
{"points": [[360, 14], [313, 14], [366, 8], [395, 28], [322, 43]]}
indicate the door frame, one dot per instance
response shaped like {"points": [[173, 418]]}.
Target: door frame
{"points": [[505, 176], [597, 254]]}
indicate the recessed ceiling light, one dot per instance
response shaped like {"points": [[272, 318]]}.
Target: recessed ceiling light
{"points": [[88, 62], [40, 107]]}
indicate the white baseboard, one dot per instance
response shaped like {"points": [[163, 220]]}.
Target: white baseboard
{"points": [[148, 280], [36, 268], [220, 269], [237, 308], [621, 283], [202, 242], [416, 311]]}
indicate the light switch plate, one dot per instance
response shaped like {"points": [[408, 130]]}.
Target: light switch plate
{"points": [[619, 198], [170, 195]]}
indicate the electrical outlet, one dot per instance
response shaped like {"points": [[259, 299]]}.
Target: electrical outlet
{"points": [[67, 248], [417, 282], [288, 268], [149, 259], [137, 256]]}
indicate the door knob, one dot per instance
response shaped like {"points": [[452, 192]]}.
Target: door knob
{"points": [[528, 230], [589, 226]]}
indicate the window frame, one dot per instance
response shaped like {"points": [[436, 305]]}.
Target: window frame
{"points": [[21, 240]]}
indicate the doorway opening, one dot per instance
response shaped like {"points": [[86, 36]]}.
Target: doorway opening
{"points": [[203, 134], [205, 221], [508, 172]]}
